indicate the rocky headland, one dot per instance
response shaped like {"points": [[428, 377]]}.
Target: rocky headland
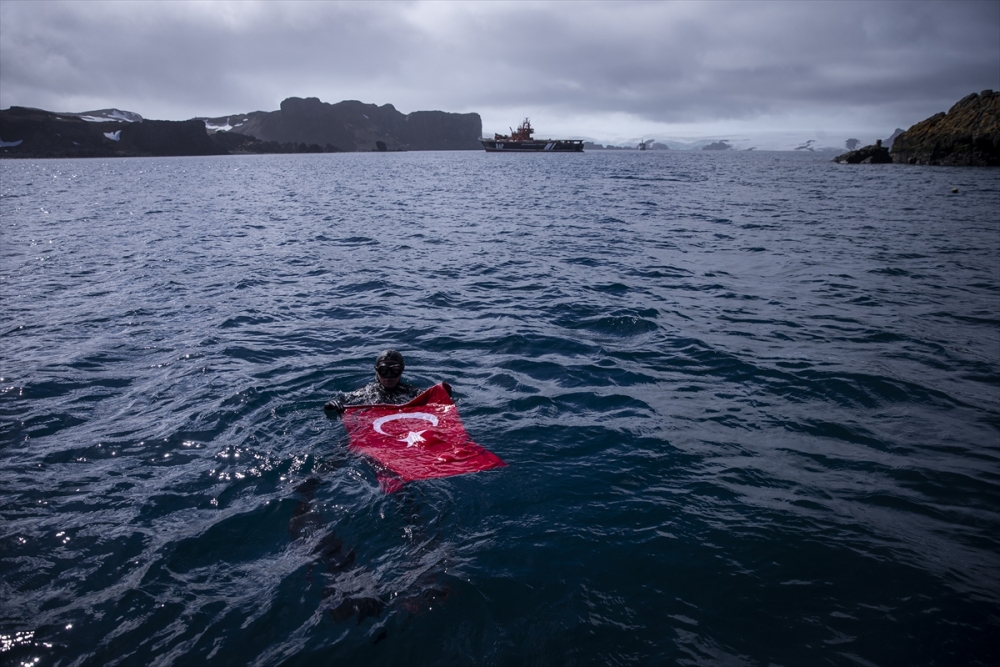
{"points": [[968, 135]]}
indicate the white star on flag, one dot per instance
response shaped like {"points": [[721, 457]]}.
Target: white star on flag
{"points": [[413, 438]]}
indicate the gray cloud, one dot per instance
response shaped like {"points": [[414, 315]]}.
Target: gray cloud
{"points": [[867, 63]]}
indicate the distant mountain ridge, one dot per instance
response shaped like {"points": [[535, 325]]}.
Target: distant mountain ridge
{"points": [[355, 126], [37, 133], [300, 126]]}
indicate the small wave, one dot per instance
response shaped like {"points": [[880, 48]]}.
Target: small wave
{"points": [[622, 326], [245, 320], [889, 271]]}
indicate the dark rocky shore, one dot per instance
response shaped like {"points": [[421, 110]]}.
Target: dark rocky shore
{"points": [[876, 154]]}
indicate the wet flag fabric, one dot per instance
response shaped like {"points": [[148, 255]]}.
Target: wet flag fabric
{"points": [[422, 439]]}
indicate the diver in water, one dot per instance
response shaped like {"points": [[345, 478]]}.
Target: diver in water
{"points": [[386, 388]]}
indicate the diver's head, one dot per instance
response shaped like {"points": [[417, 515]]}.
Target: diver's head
{"points": [[388, 367]]}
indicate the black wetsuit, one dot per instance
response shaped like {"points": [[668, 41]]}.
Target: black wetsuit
{"points": [[374, 392]]}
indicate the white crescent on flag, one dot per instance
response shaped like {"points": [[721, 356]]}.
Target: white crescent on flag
{"points": [[377, 424]]}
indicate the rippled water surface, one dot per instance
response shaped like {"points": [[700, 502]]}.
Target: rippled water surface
{"points": [[750, 405]]}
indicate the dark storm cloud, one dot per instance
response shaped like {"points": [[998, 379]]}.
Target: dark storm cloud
{"points": [[679, 64], [186, 58], [659, 62]]}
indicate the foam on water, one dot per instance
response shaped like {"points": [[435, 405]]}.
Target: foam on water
{"points": [[750, 405]]}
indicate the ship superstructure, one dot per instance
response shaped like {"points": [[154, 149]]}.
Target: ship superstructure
{"points": [[521, 141]]}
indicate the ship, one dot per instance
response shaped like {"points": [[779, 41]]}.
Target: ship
{"points": [[521, 141]]}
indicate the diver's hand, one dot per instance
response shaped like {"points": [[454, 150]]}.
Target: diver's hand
{"points": [[447, 388], [335, 405]]}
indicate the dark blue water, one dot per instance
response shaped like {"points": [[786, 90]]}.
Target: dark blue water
{"points": [[750, 405]]}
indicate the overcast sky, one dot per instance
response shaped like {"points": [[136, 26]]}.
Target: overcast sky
{"points": [[608, 71]]}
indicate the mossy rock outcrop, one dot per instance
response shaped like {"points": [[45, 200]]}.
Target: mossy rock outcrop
{"points": [[968, 135]]}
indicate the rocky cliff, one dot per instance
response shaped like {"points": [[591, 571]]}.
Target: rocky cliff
{"points": [[968, 135], [355, 126], [167, 137]]}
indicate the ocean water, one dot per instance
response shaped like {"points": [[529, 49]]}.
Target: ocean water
{"points": [[749, 402]]}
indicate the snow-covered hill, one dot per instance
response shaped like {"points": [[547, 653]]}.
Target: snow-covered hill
{"points": [[104, 115]]}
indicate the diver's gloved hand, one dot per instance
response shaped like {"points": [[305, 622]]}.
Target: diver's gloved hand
{"points": [[335, 405]]}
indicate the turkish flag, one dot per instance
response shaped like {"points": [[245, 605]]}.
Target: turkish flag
{"points": [[422, 439]]}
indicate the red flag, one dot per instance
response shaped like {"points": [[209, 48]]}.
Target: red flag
{"points": [[422, 439]]}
